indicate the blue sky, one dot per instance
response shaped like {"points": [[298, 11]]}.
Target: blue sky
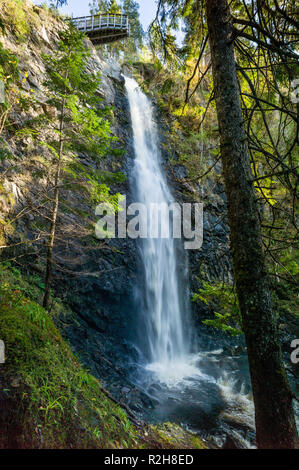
{"points": [[80, 8]]}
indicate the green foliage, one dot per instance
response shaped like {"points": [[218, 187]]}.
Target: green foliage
{"points": [[87, 127], [5, 153], [9, 75], [168, 85], [94, 182], [66, 70], [31, 287], [222, 297], [59, 403], [165, 50], [194, 145], [172, 436], [266, 74], [99, 6], [73, 92], [104, 6], [12, 79], [221, 323], [135, 41], [57, 397], [60, 3], [95, 135], [131, 45], [113, 7], [9, 71]]}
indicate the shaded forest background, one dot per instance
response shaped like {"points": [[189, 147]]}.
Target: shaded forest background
{"points": [[180, 79]]}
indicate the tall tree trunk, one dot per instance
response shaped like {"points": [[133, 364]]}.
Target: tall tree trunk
{"points": [[51, 240], [274, 416]]}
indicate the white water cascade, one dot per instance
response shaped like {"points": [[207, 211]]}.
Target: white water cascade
{"points": [[164, 295], [164, 302]]}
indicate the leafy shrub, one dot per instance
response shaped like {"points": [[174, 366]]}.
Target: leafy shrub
{"points": [[16, 18], [222, 297], [55, 396]]}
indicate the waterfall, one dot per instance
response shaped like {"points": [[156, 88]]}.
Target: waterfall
{"points": [[165, 293], [164, 307]]}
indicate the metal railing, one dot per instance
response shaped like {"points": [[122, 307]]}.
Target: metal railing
{"points": [[99, 22]]}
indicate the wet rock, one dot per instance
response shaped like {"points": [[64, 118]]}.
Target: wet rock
{"points": [[180, 171], [136, 407], [219, 230], [230, 443]]}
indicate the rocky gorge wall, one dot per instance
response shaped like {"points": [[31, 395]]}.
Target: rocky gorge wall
{"points": [[97, 279]]}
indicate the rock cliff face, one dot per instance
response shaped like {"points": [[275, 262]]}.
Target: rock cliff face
{"points": [[96, 279]]}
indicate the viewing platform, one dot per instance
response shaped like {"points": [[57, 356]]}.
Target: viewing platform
{"points": [[103, 28]]}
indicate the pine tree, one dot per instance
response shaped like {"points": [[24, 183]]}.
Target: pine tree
{"points": [[114, 8], [135, 41], [82, 123], [274, 416], [265, 39]]}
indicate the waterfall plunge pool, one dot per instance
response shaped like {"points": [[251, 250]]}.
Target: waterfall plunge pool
{"points": [[197, 390]]}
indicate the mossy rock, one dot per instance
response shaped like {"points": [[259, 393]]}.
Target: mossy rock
{"points": [[47, 399], [173, 436]]}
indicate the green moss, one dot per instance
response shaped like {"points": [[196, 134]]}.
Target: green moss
{"points": [[51, 401], [57, 398], [16, 18], [172, 436]]}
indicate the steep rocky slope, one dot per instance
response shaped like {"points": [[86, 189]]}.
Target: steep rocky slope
{"points": [[47, 399], [95, 280], [96, 294]]}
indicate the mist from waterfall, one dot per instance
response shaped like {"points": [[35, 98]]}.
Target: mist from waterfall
{"points": [[165, 293], [164, 308]]}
